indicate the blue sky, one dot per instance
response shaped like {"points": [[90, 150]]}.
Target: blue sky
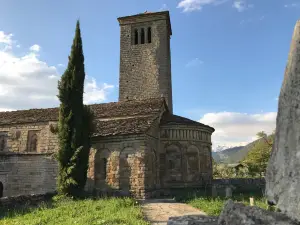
{"points": [[228, 56]]}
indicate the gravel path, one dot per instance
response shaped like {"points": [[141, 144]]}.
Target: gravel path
{"points": [[158, 211]]}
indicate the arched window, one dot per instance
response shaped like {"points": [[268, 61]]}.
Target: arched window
{"points": [[142, 36], [104, 161], [2, 144], [149, 35], [1, 189], [33, 143], [136, 37], [171, 165]]}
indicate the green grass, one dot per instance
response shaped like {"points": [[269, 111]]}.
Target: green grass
{"points": [[213, 206], [111, 211]]}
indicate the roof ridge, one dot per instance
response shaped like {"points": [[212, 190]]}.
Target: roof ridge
{"points": [[144, 101], [133, 108]]}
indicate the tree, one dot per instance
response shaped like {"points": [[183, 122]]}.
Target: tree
{"points": [[75, 123], [263, 135], [258, 157]]}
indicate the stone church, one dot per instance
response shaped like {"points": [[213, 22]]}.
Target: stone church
{"points": [[139, 146]]}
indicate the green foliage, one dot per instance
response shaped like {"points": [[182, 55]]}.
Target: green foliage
{"points": [[258, 157], [227, 171], [213, 206], [75, 121], [63, 210]]}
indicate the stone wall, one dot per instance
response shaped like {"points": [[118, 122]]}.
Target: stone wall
{"points": [[118, 163], [19, 137], [152, 163], [145, 69], [241, 185], [185, 156], [25, 173], [25, 200]]}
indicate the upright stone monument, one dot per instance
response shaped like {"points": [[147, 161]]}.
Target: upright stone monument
{"points": [[283, 171]]}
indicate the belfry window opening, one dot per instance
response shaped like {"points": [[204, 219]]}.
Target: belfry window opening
{"points": [[136, 37], [142, 36], [149, 34]]}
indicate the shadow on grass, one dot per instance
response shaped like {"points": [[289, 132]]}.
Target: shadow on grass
{"points": [[24, 207]]}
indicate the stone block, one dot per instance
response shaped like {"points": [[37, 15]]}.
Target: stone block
{"points": [[193, 220], [239, 214], [283, 171]]}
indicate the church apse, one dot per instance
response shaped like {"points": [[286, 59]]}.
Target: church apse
{"points": [[186, 156]]}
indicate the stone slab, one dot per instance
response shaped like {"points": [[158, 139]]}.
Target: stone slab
{"points": [[283, 171], [239, 214], [193, 220]]}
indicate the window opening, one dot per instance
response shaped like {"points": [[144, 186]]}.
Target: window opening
{"points": [[2, 144], [104, 168], [149, 34], [142, 36], [33, 143], [136, 37], [1, 189]]}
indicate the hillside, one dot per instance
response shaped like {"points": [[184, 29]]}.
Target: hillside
{"points": [[226, 154], [233, 155]]}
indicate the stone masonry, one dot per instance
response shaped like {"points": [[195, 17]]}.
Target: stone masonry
{"points": [[23, 174], [139, 146], [145, 66]]}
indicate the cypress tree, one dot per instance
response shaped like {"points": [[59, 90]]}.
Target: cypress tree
{"points": [[75, 121]]}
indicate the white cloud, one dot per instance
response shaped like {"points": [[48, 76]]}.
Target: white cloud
{"points": [[35, 48], [5, 110], [60, 65], [292, 5], [94, 92], [164, 7], [194, 62], [6, 38], [236, 129], [195, 5], [27, 82], [241, 5]]}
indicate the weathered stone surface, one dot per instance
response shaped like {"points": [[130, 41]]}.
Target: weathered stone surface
{"points": [[283, 172], [239, 214], [28, 200], [145, 68], [193, 220], [23, 174]]}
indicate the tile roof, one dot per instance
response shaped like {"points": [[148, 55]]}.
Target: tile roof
{"points": [[104, 110], [133, 125], [168, 119]]}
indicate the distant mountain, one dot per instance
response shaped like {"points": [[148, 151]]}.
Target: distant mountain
{"points": [[225, 156], [235, 154]]}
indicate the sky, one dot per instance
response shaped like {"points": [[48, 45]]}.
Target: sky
{"points": [[228, 56]]}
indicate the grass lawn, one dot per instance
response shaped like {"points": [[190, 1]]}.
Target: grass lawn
{"points": [[111, 211], [213, 206]]}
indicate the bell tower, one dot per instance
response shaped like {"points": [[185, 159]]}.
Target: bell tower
{"points": [[145, 57]]}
